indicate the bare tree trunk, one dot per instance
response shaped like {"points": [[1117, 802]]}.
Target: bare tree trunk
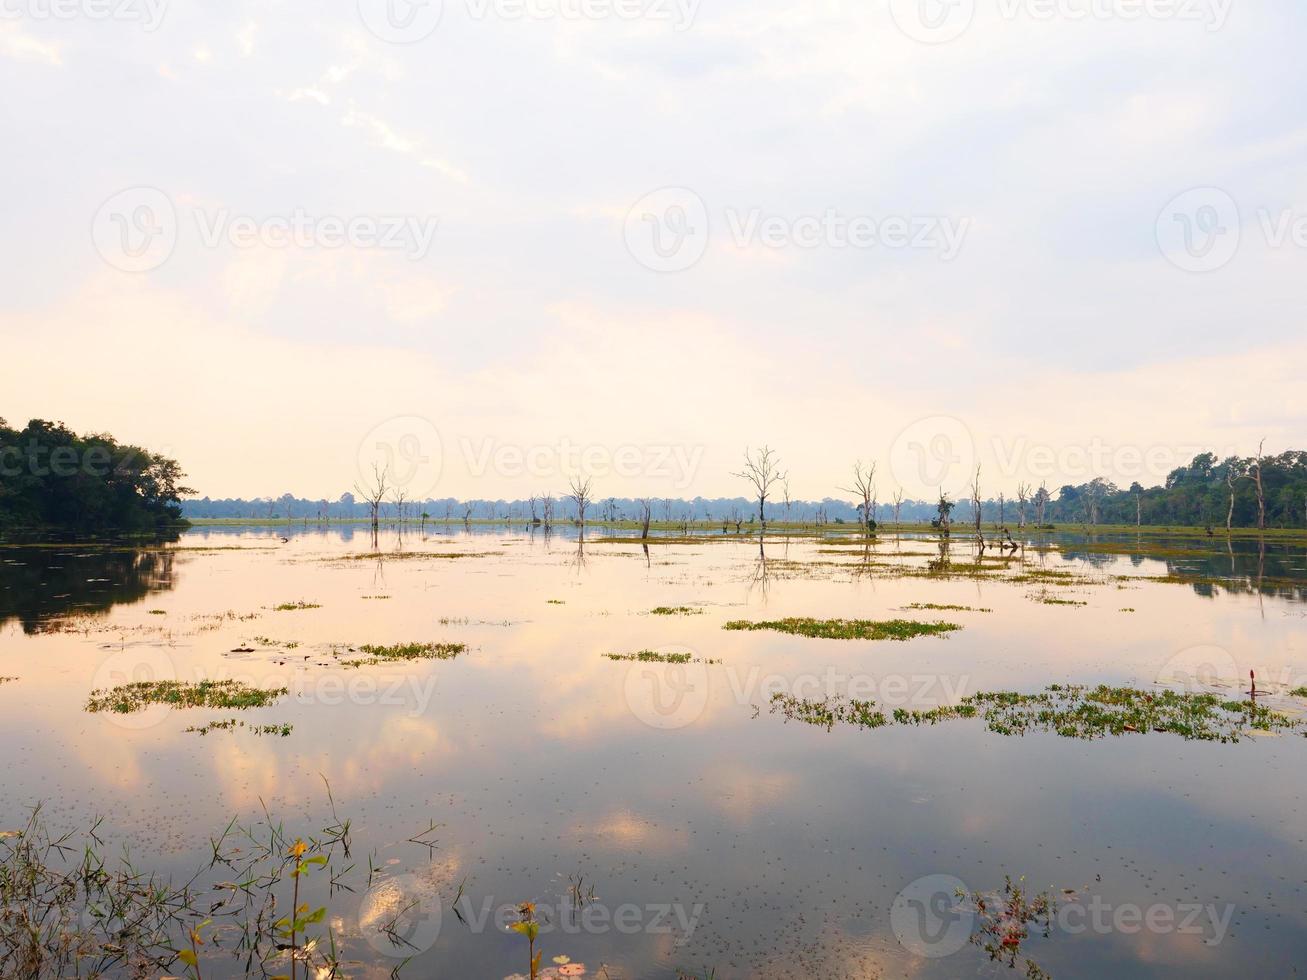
{"points": [[1261, 493]]}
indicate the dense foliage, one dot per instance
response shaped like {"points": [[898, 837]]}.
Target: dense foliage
{"points": [[1197, 494], [50, 477]]}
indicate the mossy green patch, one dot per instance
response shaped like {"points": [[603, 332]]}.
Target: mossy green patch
{"points": [[126, 698], [847, 629]]}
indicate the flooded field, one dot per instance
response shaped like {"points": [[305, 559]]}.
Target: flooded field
{"points": [[709, 756]]}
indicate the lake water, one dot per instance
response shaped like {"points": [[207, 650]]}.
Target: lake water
{"points": [[696, 828]]}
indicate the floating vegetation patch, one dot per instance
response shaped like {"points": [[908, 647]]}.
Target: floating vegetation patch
{"points": [[1297, 692], [6, 680], [1047, 599], [377, 653], [231, 724], [847, 629], [946, 607], [654, 657], [411, 555], [376, 597], [126, 698], [158, 612], [265, 641], [555, 602], [675, 611], [292, 606], [1071, 711]]}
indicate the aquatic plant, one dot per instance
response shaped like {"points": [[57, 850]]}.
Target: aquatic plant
{"points": [[381, 653], [1002, 923], [1071, 711], [847, 629], [293, 606], [126, 698], [946, 606], [655, 657], [675, 611]]}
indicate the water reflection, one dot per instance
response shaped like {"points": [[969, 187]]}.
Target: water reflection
{"points": [[40, 585]]}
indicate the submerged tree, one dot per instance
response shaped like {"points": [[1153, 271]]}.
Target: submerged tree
{"points": [[580, 496], [762, 470], [864, 486], [374, 492]]}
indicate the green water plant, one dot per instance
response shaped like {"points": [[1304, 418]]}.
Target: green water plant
{"points": [[847, 629], [137, 695]]}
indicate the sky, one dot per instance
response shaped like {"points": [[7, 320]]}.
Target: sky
{"points": [[496, 243]]}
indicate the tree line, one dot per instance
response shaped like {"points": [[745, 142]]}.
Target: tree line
{"points": [[1207, 492]]}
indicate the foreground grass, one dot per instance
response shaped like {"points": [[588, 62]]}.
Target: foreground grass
{"points": [[847, 629], [127, 698], [1071, 711]]}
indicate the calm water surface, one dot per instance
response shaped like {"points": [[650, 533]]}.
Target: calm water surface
{"points": [[715, 833]]}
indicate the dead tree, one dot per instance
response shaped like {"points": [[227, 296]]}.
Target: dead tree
{"points": [[1041, 504], [374, 492], [645, 509], [762, 470], [975, 498], [785, 496], [864, 486], [898, 503], [580, 497], [547, 508], [400, 498], [1023, 494], [1231, 474], [1002, 509], [467, 512], [1261, 493]]}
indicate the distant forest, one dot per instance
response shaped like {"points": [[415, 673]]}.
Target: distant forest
{"points": [[1198, 494], [50, 477]]}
